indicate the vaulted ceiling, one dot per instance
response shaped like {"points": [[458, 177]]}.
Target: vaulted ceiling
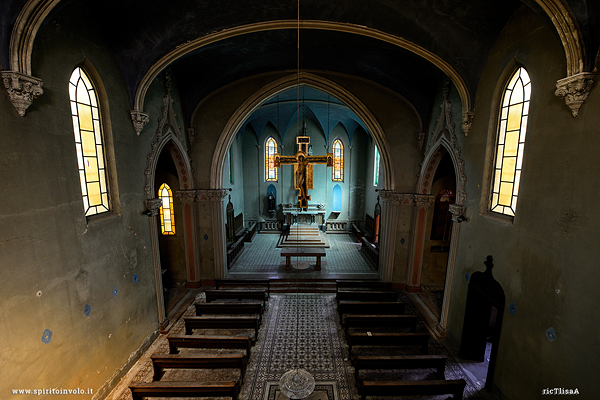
{"points": [[406, 46]]}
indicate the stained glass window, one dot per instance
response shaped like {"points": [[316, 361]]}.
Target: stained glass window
{"points": [[89, 143], [270, 150], [511, 142], [167, 220], [376, 168], [230, 166], [338, 160]]}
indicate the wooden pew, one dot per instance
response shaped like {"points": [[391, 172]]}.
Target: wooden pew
{"points": [[371, 307], [209, 342], [245, 322], [185, 389], [212, 295], [412, 388], [164, 361], [229, 308], [220, 283], [363, 285], [380, 321], [389, 339], [366, 295], [400, 362]]}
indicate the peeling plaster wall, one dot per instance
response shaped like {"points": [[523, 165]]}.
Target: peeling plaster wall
{"points": [[546, 259], [54, 262]]}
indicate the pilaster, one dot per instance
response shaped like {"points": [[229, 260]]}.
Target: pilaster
{"points": [[152, 210], [422, 203]]}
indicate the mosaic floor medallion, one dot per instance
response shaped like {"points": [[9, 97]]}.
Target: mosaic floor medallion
{"points": [[324, 390]]}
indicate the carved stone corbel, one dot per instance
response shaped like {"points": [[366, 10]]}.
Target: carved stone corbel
{"points": [[153, 205], [457, 211], [22, 89], [139, 119], [467, 122], [575, 90]]}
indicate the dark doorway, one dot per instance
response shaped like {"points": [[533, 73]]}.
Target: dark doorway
{"points": [[483, 319]]}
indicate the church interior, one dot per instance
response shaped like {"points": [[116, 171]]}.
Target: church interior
{"points": [[433, 149]]}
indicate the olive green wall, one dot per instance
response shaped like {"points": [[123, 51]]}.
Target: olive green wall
{"points": [[54, 260], [546, 259]]}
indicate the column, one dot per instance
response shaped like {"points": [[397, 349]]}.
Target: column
{"points": [[458, 212], [212, 201], [422, 203], [153, 208]]}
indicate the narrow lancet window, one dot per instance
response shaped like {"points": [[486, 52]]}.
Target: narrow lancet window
{"points": [[376, 168], [338, 160], [167, 217], [270, 150], [89, 143], [510, 143]]}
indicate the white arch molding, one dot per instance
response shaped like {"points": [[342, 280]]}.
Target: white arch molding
{"points": [[238, 118]]}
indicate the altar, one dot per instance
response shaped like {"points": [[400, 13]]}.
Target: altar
{"points": [[313, 214]]}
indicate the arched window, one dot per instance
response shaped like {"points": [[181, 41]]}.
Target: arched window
{"points": [[167, 217], [270, 150], [510, 143], [338, 160], [89, 143], [376, 167]]}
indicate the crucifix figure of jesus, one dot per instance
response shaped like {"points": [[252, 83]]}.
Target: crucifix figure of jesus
{"points": [[303, 164]]}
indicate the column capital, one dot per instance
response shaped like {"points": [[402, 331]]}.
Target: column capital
{"points": [[457, 211], [575, 90], [210, 194], [22, 89], [186, 196], [397, 199], [424, 200]]}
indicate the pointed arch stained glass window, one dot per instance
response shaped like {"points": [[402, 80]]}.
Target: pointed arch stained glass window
{"points": [[167, 217], [89, 143], [270, 150], [338, 161], [510, 144]]}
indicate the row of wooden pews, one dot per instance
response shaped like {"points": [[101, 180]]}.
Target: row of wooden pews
{"points": [[382, 339], [224, 309]]}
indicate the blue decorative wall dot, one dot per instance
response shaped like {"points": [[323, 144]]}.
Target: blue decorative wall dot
{"points": [[135, 278], [467, 277], [402, 241], [205, 237], [115, 291], [87, 309], [512, 308], [47, 336], [550, 334]]}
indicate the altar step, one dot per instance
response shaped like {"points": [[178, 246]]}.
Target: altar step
{"points": [[300, 286], [304, 235]]}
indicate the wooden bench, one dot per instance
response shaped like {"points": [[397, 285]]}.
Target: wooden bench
{"points": [[366, 295], [290, 252], [363, 285], [389, 339], [380, 321], [185, 389], [164, 361], [212, 295], [412, 388], [220, 283], [371, 307], [245, 322], [400, 362], [209, 342], [229, 308]]}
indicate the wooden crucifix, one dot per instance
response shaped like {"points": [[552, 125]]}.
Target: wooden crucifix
{"points": [[303, 167]]}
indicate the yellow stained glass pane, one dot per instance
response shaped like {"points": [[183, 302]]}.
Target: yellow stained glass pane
{"points": [[499, 156], [506, 99], [95, 112], [494, 200], [105, 201], [502, 131], [88, 143], [508, 169], [83, 184], [85, 117], [514, 117], [100, 156], [98, 132], [513, 79], [517, 182], [94, 194], [508, 211], [517, 93], [523, 130], [527, 90], [165, 201], [505, 194], [86, 203], [520, 156], [79, 156], [93, 98], [91, 169], [511, 143], [86, 80], [74, 78], [504, 113], [102, 182]]}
